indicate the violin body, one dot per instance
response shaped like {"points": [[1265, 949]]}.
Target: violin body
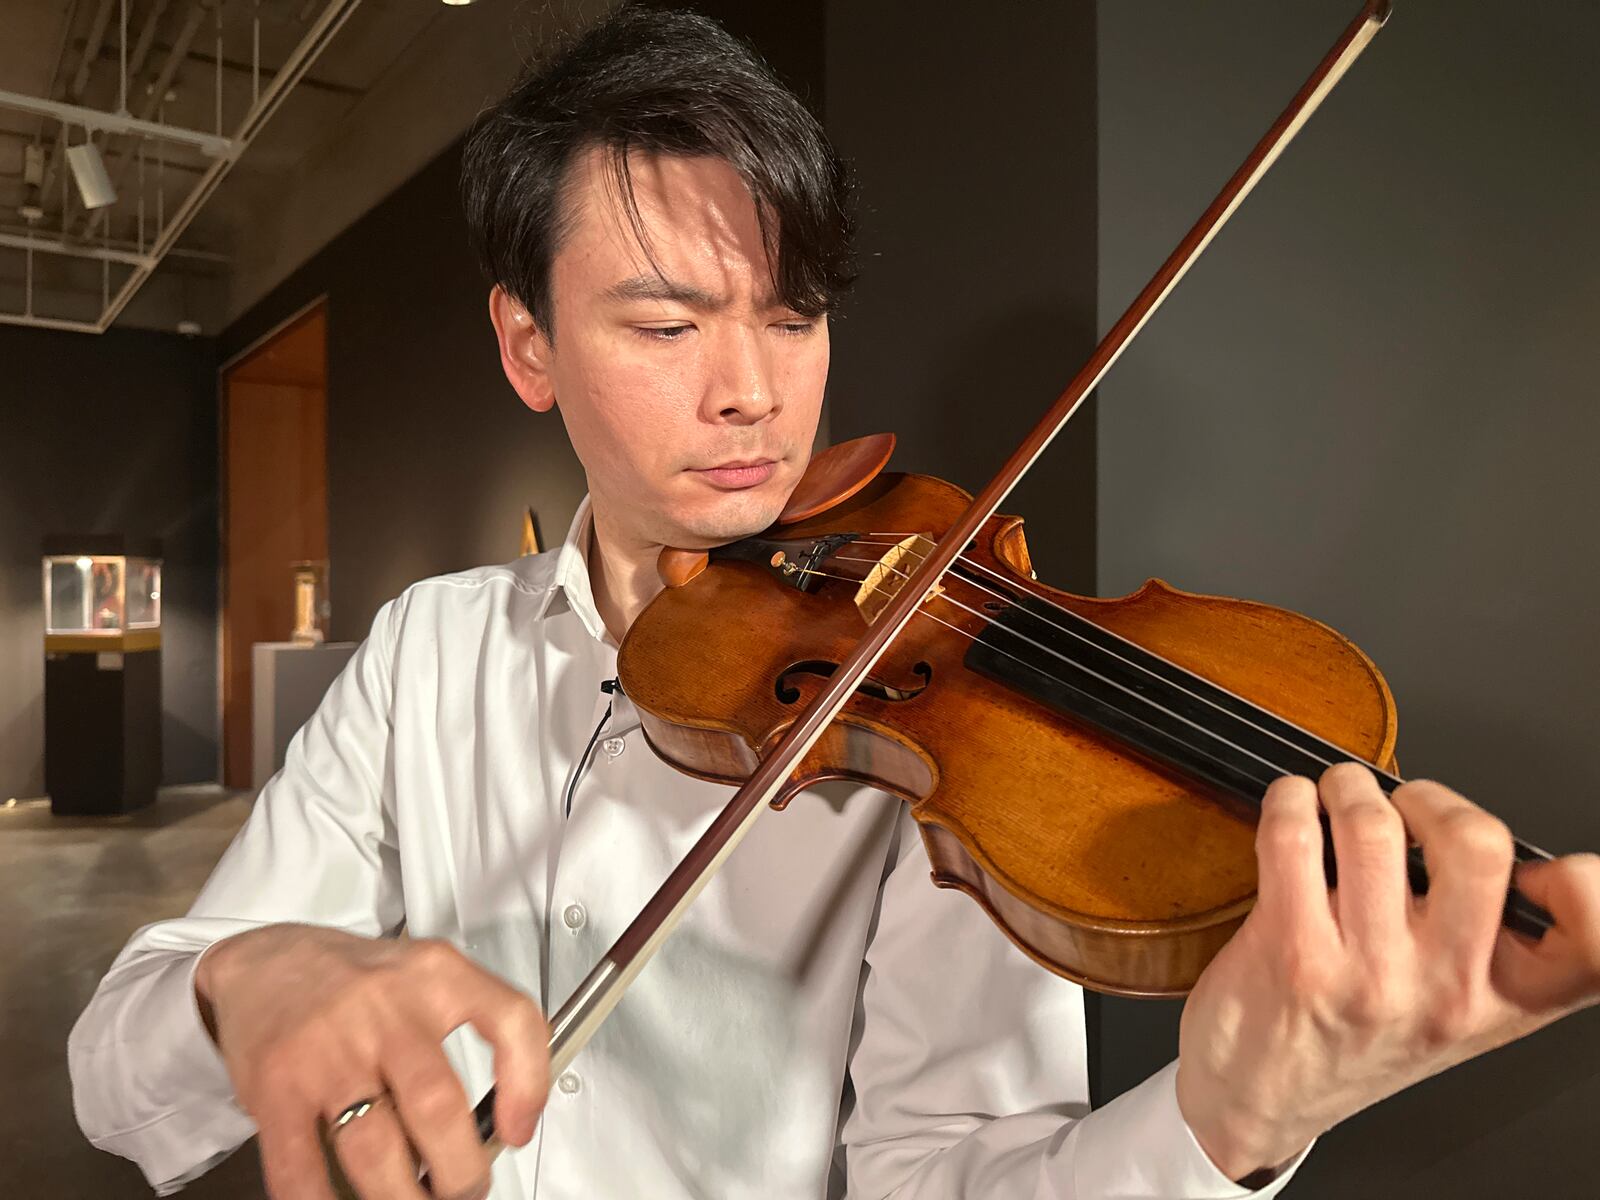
{"points": [[1102, 862]]}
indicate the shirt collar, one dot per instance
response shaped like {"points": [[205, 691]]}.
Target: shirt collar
{"points": [[571, 579]]}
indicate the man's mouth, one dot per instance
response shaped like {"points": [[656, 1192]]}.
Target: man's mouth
{"points": [[739, 473]]}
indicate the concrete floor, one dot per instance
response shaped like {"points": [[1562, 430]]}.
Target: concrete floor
{"points": [[76, 888]]}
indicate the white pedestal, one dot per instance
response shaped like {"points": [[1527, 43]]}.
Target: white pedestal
{"points": [[288, 682]]}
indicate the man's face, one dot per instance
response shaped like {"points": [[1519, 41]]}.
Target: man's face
{"points": [[692, 395]]}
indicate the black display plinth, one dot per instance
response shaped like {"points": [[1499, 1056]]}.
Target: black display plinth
{"points": [[102, 730]]}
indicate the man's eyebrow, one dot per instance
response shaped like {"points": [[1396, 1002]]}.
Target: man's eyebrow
{"points": [[654, 287]]}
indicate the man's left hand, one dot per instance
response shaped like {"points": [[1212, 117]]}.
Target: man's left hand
{"points": [[1327, 1000]]}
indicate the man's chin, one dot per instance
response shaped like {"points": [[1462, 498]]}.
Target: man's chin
{"points": [[728, 518]]}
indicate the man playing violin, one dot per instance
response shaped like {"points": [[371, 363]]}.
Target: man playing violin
{"points": [[667, 231]]}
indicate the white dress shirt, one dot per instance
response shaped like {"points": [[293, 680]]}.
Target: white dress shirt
{"points": [[823, 1023]]}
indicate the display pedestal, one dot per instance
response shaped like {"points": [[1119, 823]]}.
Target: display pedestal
{"points": [[288, 681], [102, 730]]}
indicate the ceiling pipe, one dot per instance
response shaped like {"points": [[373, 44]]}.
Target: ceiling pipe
{"points": [[61, 323], [152, 101], [235, 66], [80, 80], [208, 144], [41, 245], [22, 238], [94, 48], [300, 60], [172, 164], [91, 51], [147, 36]]}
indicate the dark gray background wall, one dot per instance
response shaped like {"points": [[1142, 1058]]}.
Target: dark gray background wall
{"points": [[974, 143], [114, 435], [1373, 401]]}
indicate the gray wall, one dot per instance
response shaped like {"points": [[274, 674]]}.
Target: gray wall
{"points": [[974, 144], [1373, 401], [115, 434]]}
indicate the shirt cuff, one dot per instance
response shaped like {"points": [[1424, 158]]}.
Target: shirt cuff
{"points": [[1139, 1147], [194, 1119]]}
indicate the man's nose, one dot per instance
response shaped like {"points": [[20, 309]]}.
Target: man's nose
{"points": [[741, 389]]}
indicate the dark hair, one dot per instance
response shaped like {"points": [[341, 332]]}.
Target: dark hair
{"points": [[664, 81]]}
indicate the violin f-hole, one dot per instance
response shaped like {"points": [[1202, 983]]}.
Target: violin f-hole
{"points": [[788, 693]]}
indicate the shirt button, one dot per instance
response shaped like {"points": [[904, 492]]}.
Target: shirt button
{"points": [[613, 746], [574, 916], [569, 1083]]}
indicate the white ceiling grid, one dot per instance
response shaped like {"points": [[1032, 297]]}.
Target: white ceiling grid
{"points": [[271, 78]]}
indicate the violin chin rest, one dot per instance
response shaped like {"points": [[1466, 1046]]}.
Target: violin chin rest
{"points": [[677, 567], [836, 474]]}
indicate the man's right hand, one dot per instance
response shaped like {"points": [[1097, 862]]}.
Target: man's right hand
{"points": [[310, 1020]]}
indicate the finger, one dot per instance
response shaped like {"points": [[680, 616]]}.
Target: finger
{"points": [[374, 1154], [1372, 900], [465, 993], [293, 1165], [433, 1109], [1291, 887], [1560, 971], [1468, 853]]}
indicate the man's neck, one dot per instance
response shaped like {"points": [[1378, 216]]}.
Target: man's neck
{"points": [[622, 574]]}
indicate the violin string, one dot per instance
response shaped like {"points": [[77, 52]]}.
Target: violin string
{"points": [[1275, 768], [1525, 850], [1340, 753], [1134, 666]]}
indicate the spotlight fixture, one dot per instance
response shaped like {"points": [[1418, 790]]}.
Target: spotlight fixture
{"points": [[458, 3], [89, 169], [31, 210]]}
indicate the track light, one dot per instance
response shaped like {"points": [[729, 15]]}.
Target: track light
{"points": [[89, 169], [31, 209]]}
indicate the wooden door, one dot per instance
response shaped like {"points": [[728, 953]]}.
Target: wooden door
{"points": [[275, 507]]}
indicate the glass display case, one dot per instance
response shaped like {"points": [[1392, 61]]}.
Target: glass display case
{"points": [[101, 594]]}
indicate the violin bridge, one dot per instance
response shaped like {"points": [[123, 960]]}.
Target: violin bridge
{"points": [[886, 577]]}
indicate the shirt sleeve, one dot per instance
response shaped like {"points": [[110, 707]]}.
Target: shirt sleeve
{"points": [[969, 1070], [147, 1081]]}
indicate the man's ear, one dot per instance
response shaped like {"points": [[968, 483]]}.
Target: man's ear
{"points": [[524, 351]]}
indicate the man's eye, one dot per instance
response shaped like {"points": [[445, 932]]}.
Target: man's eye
{"points": [[797, 328], [662, 333]]}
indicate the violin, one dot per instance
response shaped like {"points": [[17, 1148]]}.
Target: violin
{"points": [[1088, 770]]}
